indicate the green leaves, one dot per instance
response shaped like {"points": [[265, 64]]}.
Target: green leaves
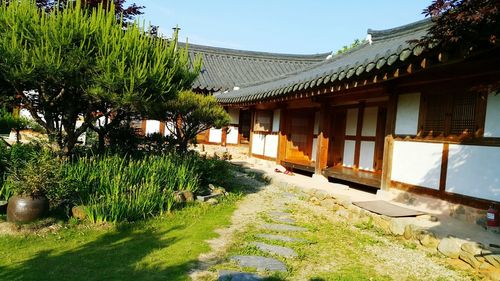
{"points": [[78, 60]]}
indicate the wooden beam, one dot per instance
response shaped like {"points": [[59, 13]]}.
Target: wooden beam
{"points": [[387, 163], [323, 139]]}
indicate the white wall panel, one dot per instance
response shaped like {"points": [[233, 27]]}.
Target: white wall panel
{"points": [[271, 146], [370, 122], [232, 135], [417, 163], [276, 120], [152, 127], [234, 114], [215, 135], [351, 122], [349, 147], [258, 142], [492, 125], [407, 114], [169, 128], [366, 155], [314, 149], [474, 171]]}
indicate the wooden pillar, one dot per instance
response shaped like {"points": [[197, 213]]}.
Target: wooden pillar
{"points": [[282, 138], [162, 128], [252, 121], [323, 139], [223, 139], [387, 163], [143, 126]]}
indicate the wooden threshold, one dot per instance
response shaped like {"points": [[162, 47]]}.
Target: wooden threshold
{"points": [[298, 165], [356, 176]]}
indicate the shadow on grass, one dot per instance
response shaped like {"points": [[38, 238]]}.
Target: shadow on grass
{"points": [[116, 255]]}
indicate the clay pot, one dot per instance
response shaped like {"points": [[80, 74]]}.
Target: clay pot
{"points": [[26, 209]]}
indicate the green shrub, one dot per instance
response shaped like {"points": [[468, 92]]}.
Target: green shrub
{"points": [[115, 189], [213, 170]]}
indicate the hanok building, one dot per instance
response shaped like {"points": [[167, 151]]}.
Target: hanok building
{"points": [[386, 114]]}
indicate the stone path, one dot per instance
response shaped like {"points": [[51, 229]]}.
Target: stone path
{"points": [[275, 250], [281, 238]]}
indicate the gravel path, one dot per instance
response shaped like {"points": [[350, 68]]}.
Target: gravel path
{"points": [[268, 204]]}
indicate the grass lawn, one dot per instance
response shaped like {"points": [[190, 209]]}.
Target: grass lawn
{"points": [[164, 248]]}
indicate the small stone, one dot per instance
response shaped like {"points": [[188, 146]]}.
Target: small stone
{"points": [[408, 232], [470, 259], [472, 248], [188, 195], [427, 217], [275, 250], [212, 201], [260, 263], [427, 239], [315, 201], [227, 275], [397, 227], [79, 212], [179, 197], [449, 247], [279, 238], [329, 203], [491, 257], [282, 227]]}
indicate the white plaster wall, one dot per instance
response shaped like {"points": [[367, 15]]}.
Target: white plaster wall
{"points": [[366, 154], [276, 120], [232, 135], [25, 113], [314, 149], [215, 135], [351, 122], [417, 163], [152, 127], [234, 114], [349, 147], [492, 125], [316, 123], [474, 171], [258, 143], [370, 122], [407, 114], [271, 146]]}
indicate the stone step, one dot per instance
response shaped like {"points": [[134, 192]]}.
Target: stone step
{"points": [[283, 227], [284, 220], [260, 263], [275, 250], [227, 275], [279, 238]]}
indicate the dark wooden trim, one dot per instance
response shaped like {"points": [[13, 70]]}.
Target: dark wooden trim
{"points": [[447, 196], [444, 168], [298, 166], [359, 130], [263, 157]]}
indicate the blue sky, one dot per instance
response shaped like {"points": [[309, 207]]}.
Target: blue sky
{"points": [[281, 26]]}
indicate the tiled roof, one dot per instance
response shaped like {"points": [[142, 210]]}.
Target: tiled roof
{"points": [[386, 49], [224, 69]]}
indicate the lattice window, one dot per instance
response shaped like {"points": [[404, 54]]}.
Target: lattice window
{"points": [[463, 114], [450, 114], [435, 114], [263, 121]]}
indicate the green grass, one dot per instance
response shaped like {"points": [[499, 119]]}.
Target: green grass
{"points": [[163, 248]]}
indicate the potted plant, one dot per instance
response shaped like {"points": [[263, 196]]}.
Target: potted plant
{"points": [[30, 185]]}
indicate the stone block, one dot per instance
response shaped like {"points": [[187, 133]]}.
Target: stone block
{"points": [[472, 248], [427, 239], [450, 247], [491, 257], [470, 259], [397, 227]]}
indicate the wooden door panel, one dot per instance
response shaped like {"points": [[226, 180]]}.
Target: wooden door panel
{"points": [[299, 137]]}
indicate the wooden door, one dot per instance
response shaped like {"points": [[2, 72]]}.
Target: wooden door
{"points": [[300, 126], [358, 134]]}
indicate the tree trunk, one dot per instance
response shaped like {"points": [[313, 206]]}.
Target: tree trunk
{"points": [[102, 141]]}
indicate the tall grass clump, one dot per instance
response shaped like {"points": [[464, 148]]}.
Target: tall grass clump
{"points": [[114, 189]]}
